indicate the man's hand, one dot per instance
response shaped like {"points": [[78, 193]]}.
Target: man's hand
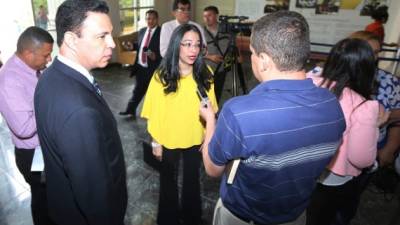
{"points": [[208, 114], [151, 56]]}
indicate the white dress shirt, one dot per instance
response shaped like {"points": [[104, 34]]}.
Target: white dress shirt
{"points": [[76, 67]]}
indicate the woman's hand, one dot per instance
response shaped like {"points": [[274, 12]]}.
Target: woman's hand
{"points": [[207, 112], [208, 115], [157, 152]]}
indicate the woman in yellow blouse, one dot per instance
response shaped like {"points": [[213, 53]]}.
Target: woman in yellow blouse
{"points": [[171, 107]]}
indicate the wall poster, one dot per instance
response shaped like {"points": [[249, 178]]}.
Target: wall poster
{"points": [[329, 20]]}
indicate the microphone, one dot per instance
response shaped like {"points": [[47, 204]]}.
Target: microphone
{"points": [[202, 94]]}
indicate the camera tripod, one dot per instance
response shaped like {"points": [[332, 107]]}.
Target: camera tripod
{"points": [[235, 66]]}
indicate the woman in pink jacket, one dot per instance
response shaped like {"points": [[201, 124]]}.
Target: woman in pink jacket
{"points": [[349, 74]]}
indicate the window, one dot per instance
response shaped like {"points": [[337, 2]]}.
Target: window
{"points": [[40, 13], [133, 14]]}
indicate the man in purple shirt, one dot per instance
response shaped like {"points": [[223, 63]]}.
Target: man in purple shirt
{"points": [[18, 79]]}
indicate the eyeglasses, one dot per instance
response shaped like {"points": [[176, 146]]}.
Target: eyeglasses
{"points": [[183, 10], [190, 45]]}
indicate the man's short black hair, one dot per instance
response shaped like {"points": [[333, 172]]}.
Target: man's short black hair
{"points": [[183, 2], [33, 38], [211, 8], [152, 11], [71, 14], [285, 37]]}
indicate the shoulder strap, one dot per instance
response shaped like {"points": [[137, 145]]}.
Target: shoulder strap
{"points": [[214, 40]]}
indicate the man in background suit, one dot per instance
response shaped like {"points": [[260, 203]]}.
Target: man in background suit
{"points": [[146, 62], [85, 168]]}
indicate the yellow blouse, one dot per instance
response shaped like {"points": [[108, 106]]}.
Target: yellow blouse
{"points": [[173, 119]]}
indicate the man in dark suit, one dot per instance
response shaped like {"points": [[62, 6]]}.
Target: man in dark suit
{"points": [[147, 60], [84, 161]]}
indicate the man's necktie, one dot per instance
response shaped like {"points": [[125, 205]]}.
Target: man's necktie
{"points": [[38, 73], [97, 87], [145, 45]]}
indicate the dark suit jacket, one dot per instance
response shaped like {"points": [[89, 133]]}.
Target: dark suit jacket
{"points": [[84, 161], [154, 46]]}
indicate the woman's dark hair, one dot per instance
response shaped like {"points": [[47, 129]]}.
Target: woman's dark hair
{"points": [[351, 63], [169, 68], [380, 13]]}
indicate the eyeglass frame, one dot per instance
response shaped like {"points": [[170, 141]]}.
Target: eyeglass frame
{"points": [[189, 45], [183, 10]]}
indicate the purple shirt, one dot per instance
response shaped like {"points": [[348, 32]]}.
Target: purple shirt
{"points": [[17, 87]]}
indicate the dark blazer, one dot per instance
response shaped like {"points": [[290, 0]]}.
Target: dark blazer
{"points": [[154, 46], [84, 161]]}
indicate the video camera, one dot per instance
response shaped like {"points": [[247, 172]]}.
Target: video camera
{"points": [[234, 24]]}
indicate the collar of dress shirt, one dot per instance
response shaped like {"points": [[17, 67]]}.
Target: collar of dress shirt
{"points": [[76, 67], [152, 30], [22, 65]]}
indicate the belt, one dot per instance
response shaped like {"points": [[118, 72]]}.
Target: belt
{"points": [[252, 222], [249, 221]]}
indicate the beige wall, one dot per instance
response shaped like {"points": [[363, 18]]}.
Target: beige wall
{"points": [[392, 33], [164, 9], [392, 28], [114, 15]]}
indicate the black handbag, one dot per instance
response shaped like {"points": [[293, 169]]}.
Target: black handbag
{"points": [[148, 156]]}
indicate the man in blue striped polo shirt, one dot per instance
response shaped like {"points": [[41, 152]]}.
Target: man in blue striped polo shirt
{"points": [[284, 132]]}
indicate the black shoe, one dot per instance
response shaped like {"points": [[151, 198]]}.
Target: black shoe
{"points": [[125, 113]]}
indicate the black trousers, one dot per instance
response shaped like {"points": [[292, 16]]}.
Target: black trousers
{"points": [[143, 77], [23, 159], [327, 202], [169, 212], [361, 182]]}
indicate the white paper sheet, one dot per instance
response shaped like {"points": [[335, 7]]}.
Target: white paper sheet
{"points": [[37, 162]]}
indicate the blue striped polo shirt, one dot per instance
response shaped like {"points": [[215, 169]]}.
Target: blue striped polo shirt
{"points": [[285, 132]]}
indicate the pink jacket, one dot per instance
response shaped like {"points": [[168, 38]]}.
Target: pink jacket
{"points": [[359, 144]]}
